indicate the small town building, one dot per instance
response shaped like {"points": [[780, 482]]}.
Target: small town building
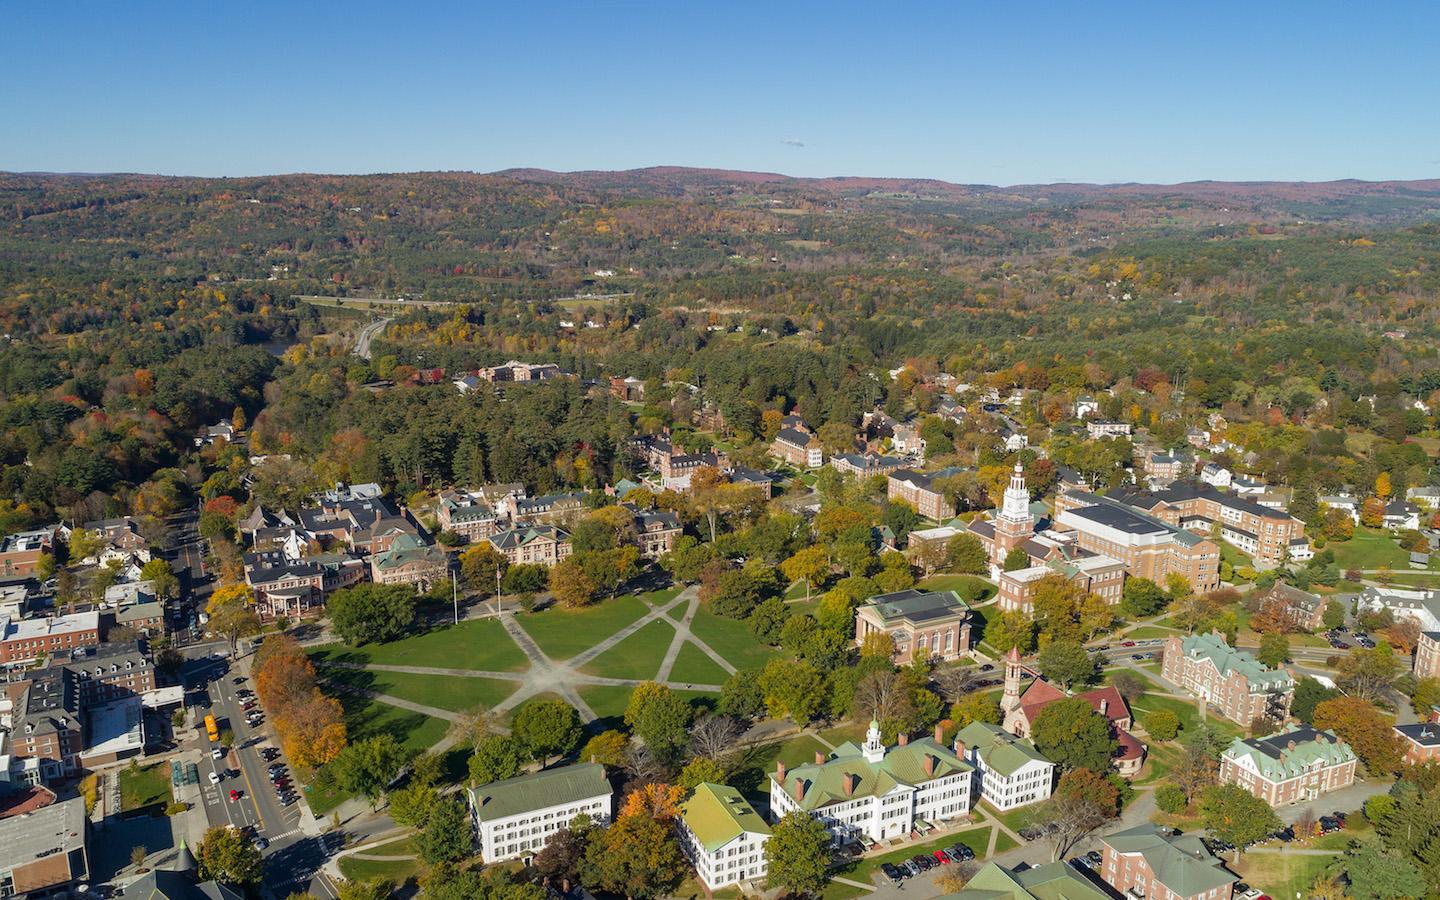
{"points": [[515, 818], [1149, 862], [723, 836], [1291, 767], [1047, 881], [922, 624], [1234, 683], [1011, 772]]}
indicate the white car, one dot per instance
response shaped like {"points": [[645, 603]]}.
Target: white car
{"points": [[217, 753], [214, 777]]}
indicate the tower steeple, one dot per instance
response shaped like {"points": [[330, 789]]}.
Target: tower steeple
{"points": [[1016, 506], [1011, 699], [874, 750]]}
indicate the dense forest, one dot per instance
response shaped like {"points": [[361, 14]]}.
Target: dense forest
{"points": [[138, 309]]}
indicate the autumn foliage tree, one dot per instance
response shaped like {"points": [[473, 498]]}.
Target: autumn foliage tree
{"points": [[1358, 723], [311, 726]]}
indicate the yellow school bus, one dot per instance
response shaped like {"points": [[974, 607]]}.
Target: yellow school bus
{"points": [[211, 728]]}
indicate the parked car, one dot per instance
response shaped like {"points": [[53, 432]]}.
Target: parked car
{"points": [[911, 870], [214, 777], [941, 857], [960, 853], [259, 843], [234, 795], [217, 753], [1286, 834], [1127, 643], [926, 863], [891, 872], [1095, 858]]}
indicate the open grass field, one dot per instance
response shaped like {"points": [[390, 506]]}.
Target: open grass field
{"points": [[1145, 632], [454, 693], [638, 656], [478, 645], [730, 639], [1370, 548], [562, 633], [366, 718], [145, 786], [971, 588], [1283, 874], [662, 596], [1234, 555], [693, 666], [396, 870]]}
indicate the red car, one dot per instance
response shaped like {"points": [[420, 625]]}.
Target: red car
{"points": [[234, 795], [1127, 643], [941, 858]]}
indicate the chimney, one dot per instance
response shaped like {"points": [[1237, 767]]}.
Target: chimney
{"points": [[849, 784], [904, 738], [1104, 706], [779, 772], [929, 765], [1290, 746], [959, 748], [939, 734], [799, 789], [819, 758]]}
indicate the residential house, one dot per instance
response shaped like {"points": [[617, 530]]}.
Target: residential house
{"points": [[656, 531], [752, 478], [723, 836], [1216, 475], [1234, 683], [1248, 486], [906, 440], [466, 383], [1151, 862], [1346, 502], [1011, 772], [514, 370], [1086, 406], [1296, 766], [516, 818], [1103, 428], [923, 625], [875, 793], [629, 389], [544, 545], [1421, 605], [1402, 514], [1302, 610], [798, 448]]}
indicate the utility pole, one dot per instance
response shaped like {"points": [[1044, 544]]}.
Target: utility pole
{"points": [[497, 592]]}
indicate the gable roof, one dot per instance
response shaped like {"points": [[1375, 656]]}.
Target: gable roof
{"points": [[1277, 760], [903, 765], [717, 814], [165, 885], [552, 787], [1049, 881], [1179, 862], [1227, 659], [999, 749]]}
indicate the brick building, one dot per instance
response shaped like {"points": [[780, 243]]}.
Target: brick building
{"points": [[1269, 535], [1149, 862], [467, 515], [922, 624], [1299, 765], [408, 561], [1234, 683], [1148, 547], [1098, 575], [541, 544], [918, 489], [798, 448], [23, 640], [1011, 526], [1427, 655]]}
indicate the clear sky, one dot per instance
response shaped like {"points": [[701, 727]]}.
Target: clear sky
{"points": [[979, 92]]}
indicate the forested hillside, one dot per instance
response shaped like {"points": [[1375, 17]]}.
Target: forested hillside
{"points": [[137, 309]]}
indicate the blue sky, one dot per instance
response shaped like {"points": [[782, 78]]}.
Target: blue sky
{"points": [[999, 93]]}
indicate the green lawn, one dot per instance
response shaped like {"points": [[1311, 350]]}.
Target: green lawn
{"points": [[796, 591], [850, 731], [1234, 555], [1145, 632], [662, 596], [478, 644], [730, 639], [451, 692], [1014, 819], [971, 588], [366, 718], [693, 666], [1184, 710], [754, 765], [1370, 548], [1282, 874], [638, 656], [609, 701], [396, 870], [145, 786], [562, 633]]}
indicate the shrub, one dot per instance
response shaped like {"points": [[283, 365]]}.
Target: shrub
{"points": [[1163, 725], [1169, 798]]}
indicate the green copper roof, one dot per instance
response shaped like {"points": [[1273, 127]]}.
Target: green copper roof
{"points": [[553, 787], [1179, 862], [406, 548], [901, 765], [1227, 659], [999, 749], [1277, 761], [716, 814], [1049, 881]]}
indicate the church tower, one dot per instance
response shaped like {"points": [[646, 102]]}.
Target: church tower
{"points": [[1014, 525], [1010, 701]]}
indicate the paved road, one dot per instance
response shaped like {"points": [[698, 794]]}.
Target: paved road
{"points": [[366, 335]]}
